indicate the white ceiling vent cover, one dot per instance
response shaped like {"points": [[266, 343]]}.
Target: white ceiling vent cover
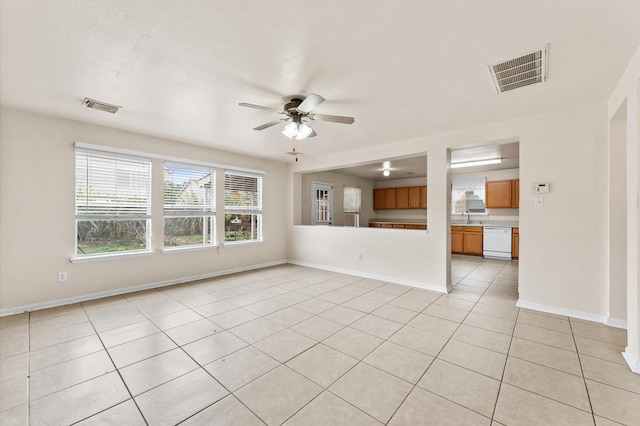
{"points": [[522, 71], [102, 106]]}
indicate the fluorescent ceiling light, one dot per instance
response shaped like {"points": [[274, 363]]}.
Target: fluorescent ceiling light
{"points": [[476, 163]]}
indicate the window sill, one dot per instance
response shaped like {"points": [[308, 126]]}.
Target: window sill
{"points": [[109, 256], [170, 250], [241, 243]]}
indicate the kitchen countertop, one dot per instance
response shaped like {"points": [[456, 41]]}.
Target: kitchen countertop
{"points": [[507, 224]]}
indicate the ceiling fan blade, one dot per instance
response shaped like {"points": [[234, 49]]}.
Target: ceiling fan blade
{"points": [[333, 118], [310, 103], [313, 134], [244, 104], [271, 123]]}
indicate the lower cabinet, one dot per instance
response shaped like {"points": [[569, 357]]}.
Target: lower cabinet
{"points": [[397, 225], [466, 240], [515, 243]]}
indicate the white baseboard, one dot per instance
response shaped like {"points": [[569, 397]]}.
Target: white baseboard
{"points": [[394, 280], [617, 323], [633, 363], [561, 311], [149, 286]]}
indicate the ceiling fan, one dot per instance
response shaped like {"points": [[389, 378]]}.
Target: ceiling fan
{"points": [[298, 111]]}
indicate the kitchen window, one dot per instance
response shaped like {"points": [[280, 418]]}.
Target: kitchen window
{"points": [[113, 203], [352, 200], [189, 206], [468, 194], [242, 207]]}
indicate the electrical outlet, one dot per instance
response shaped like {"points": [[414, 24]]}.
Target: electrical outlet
{"points": [[62, 276]]}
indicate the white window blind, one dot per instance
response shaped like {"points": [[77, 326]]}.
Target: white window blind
{"points": [[189, 205], [242, 206], [352, 200], [189, 190], [112, 186], [468, 193], [242, 192], [113, 202]]}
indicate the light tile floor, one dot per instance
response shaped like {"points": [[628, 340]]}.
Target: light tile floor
{"points": [[299, 346]]}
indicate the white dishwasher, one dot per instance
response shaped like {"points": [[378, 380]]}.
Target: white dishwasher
{"points": [[496, 242]]}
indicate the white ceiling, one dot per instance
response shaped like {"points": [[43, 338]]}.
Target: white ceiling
{"points": [[402, 69]]}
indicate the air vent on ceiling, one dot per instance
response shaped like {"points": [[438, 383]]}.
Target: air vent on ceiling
{"points": [[522, 71], [102, 106]]}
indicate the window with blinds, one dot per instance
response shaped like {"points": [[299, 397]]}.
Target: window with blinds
{"points": [[352, 199], [468, 194], [189, 205], [242, 206], [113, 202]]}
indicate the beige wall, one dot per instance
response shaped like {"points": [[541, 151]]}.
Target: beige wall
{"points": [[37, 215], [563, 246]]}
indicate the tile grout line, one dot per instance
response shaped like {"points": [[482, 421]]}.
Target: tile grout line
{"points": [[584, 379]]}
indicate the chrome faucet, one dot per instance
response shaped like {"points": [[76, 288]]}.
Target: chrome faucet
{"points": [[468, 213]]}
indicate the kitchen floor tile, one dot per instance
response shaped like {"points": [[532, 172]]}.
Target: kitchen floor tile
{"points": [[422, 404], [317, 328], [154, 371], [179, 399], [614, 403], [226, 412], [278, 395], [402, 362], [554, 384], [362, 386], [353, 342], [211, 348], [465, 387], [285, 344], [322, 364], [353, 360], [518, 406], [124, 413], [474, 358], [241, 367], [79, 401], [328, 409]]}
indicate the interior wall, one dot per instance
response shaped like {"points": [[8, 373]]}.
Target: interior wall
{"points": [[339, 181], [618, 216], [563, 267], [37, 214]]}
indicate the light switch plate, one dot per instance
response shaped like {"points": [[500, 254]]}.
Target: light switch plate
{"points": [[538, 201]]}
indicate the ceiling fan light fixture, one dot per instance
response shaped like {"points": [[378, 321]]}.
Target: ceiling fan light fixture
{"points": [[304, 130], [291, 130], [386, 172]]}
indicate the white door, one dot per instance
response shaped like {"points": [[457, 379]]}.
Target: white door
{"points": [[322, 203]]}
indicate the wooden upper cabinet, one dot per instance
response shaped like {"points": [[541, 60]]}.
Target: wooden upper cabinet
{"points": [[515, 193], [414, 197], [390, 195], [498, 194], [402, 198], [379, 199], [405, 197]]}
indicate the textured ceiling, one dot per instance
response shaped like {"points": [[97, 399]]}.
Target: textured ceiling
{"points": [[402, 69]]}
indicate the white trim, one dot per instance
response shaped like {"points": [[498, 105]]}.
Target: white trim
{"points": [[633, 363], [178, 249], [169, 158], [394, 280], [241, 243], [617, 323], [561, 311], [109, 293], [110, 256]]}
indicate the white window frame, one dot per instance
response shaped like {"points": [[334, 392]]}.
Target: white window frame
{"points": [[253, 209], [107, 207], [205, 211], [321, 208]]}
